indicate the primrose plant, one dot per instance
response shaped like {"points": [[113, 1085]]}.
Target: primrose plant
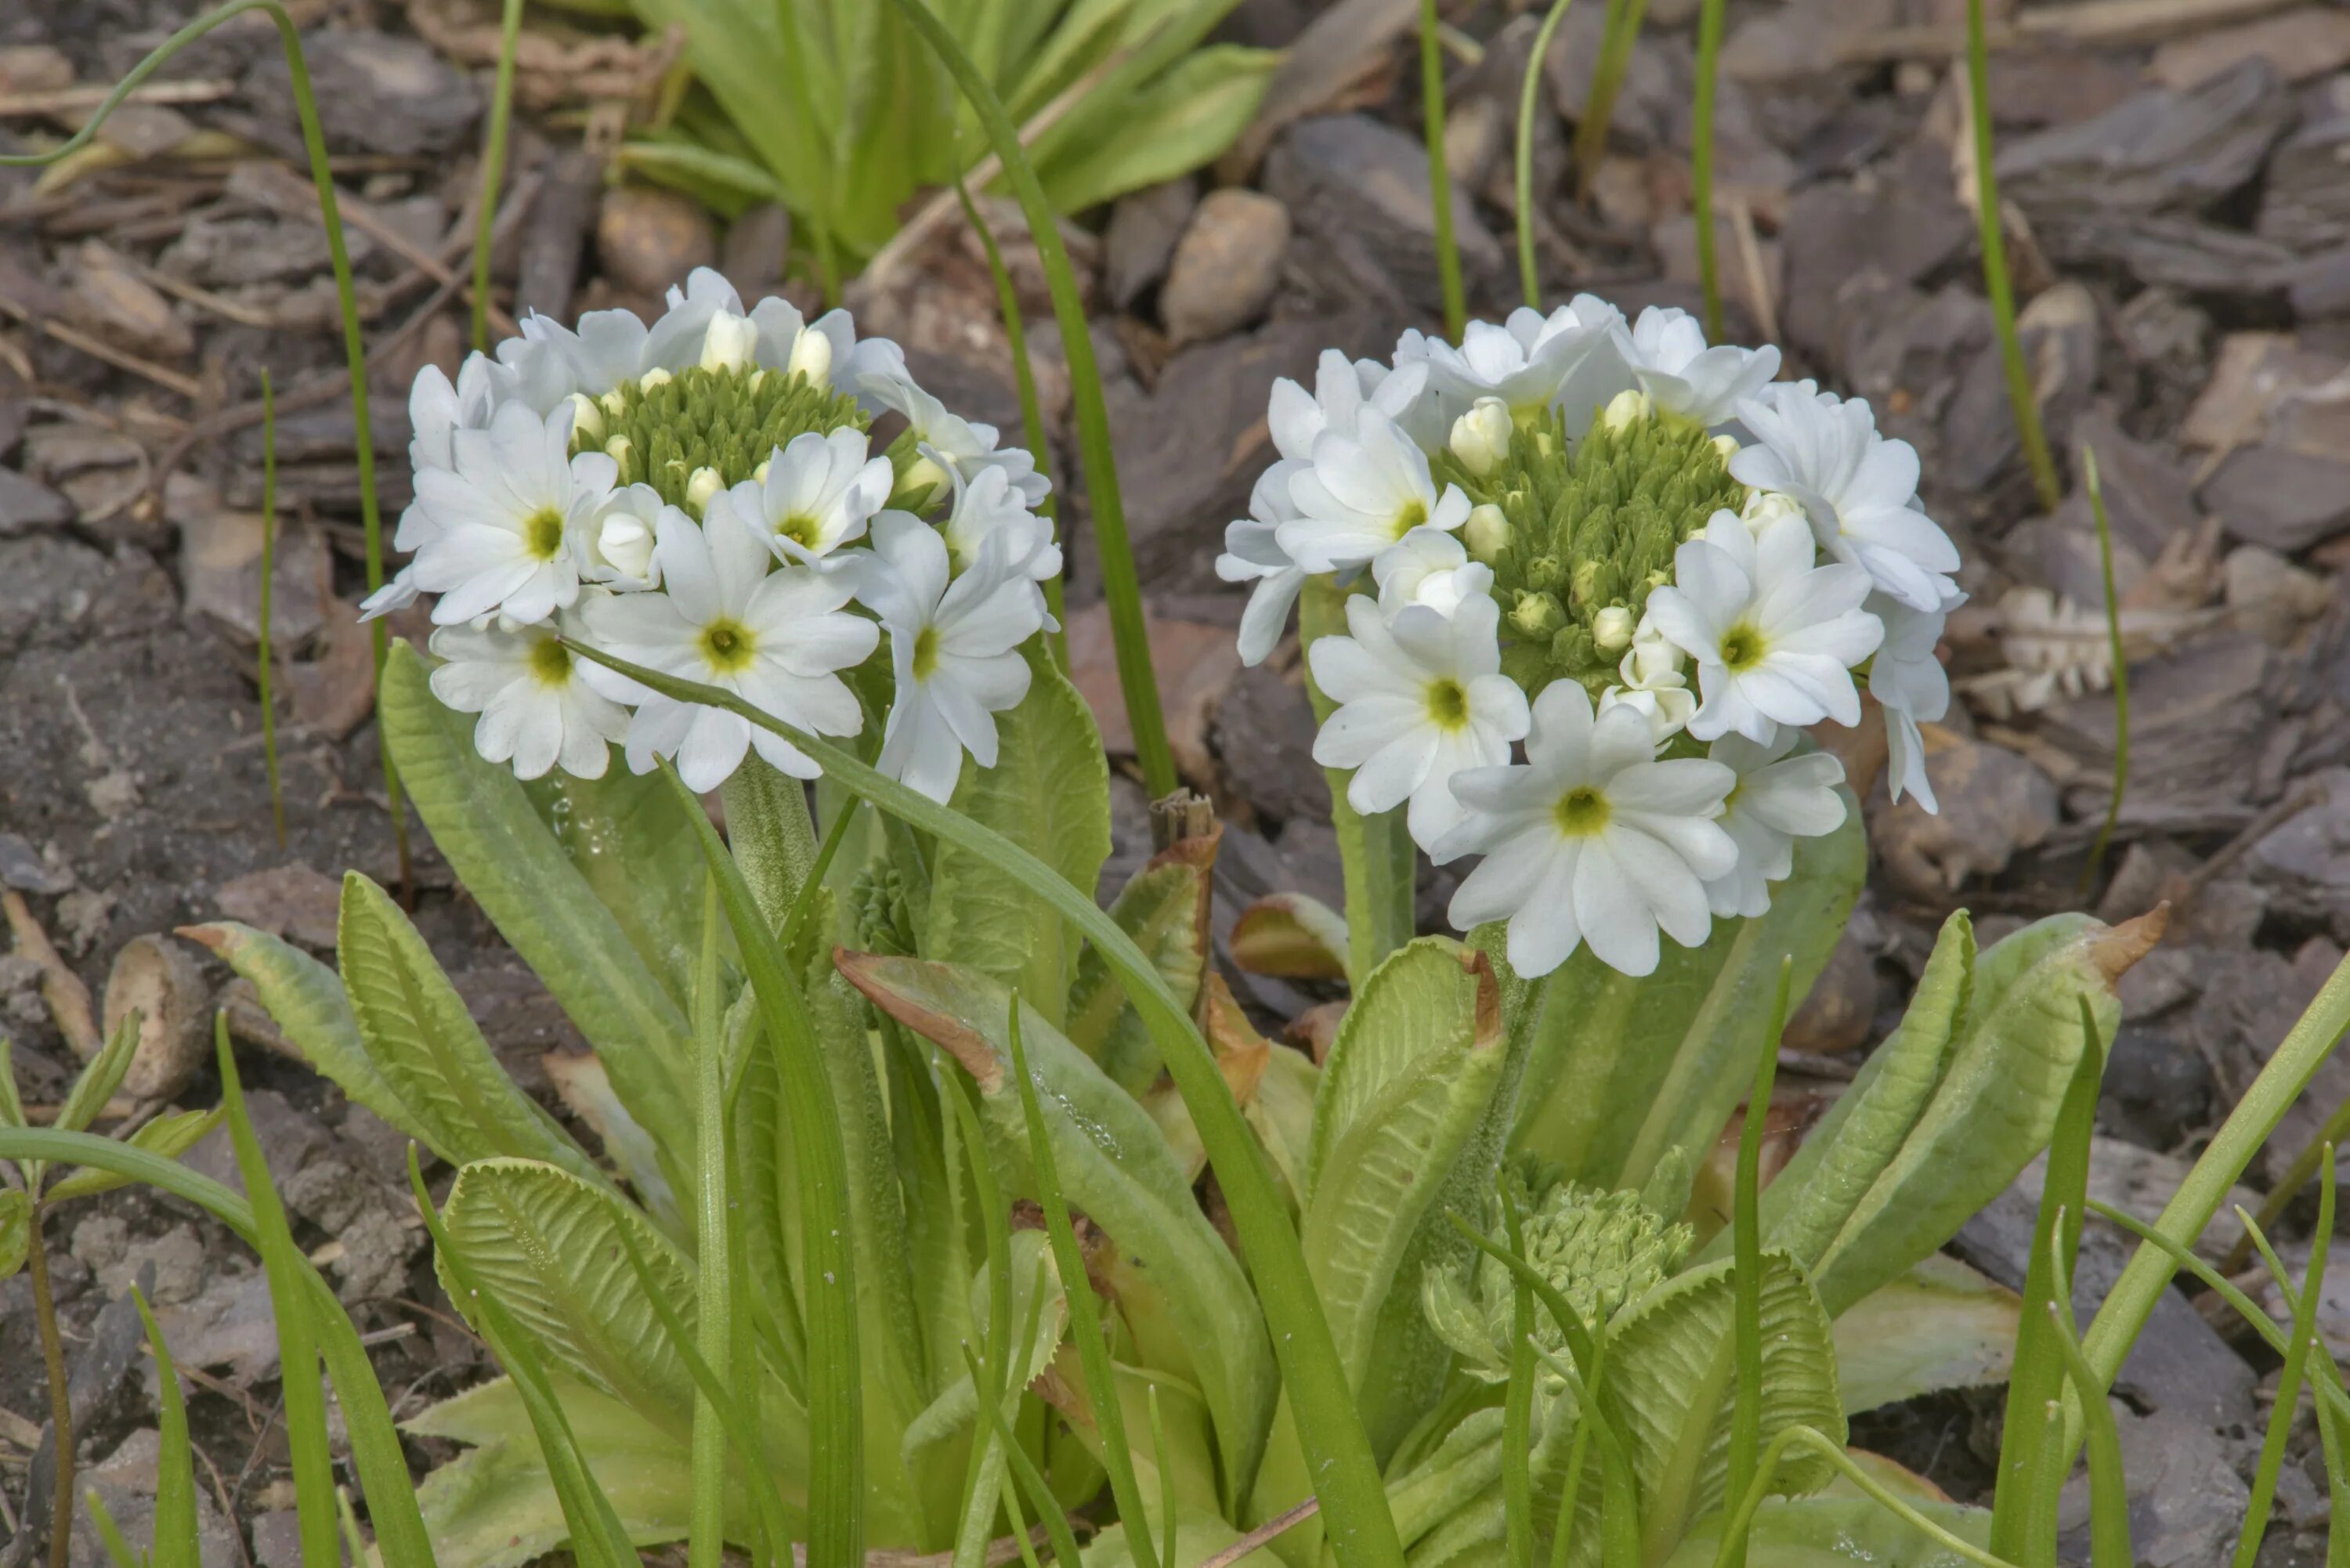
{"points": [[1572, 590]]}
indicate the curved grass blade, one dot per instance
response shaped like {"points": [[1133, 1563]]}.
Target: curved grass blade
{"points": [[1440, 174], [298, 1355], [1622, 31], [2109, 1532], [1032, 415], [2289, 1381], [836, 1401], [983, 1480], [175, 1477], [2120, 664], [597, 1537], [1528, 95], [109, 1534], [375, 1444], [494, 168], [1085, 1312], [1996, 284], [1709, 73], [268, 581], [1040, 1493], [1735, 1527], [1135, 676], [1746, 1271], [1354, 1497]]}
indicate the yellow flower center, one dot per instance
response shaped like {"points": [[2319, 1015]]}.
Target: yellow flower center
{"points": [[801, 529], [542, 533], [1448, 703], [727, 646], [1581, 812], [1410, 517], [926, 653], [550, 662], [1742, 647]]}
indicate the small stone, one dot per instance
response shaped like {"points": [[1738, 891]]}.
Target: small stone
{"points": [[105, 295], [1141, 240], [649, 239], [1358, 190], [294, 902], [756, 245], [25, 870], [26, 505], [1225, 267], [2286, 500], [377, 93], [155, 976]]}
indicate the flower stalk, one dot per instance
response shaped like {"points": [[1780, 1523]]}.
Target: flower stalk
{"points": [[1996, 283], [1440, 172], [1709, 71]]}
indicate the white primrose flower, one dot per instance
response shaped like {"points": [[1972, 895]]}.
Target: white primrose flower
{"points": [[946, 439], [1252, 553], [954, 643], [1342, 392], [1911, 684], [1774, 636], [1665, 351], [617, 549], [1526, 362], [1859, 489], [1591, 839], [1654, 683], [988, 503], [774, 638], [1361, 494], [1429, 566], [505, 517], [818, 493], [538, 710], [1779, 798], [437, 409], [1421, 697]]}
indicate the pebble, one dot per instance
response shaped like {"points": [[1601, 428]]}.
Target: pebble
{"points": [[649, 239], [155, 976], [1226, 266]]}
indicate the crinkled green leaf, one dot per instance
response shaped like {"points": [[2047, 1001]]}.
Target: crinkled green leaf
{"points": [[1623, 1070], [1049, 794], [1937, 1325], [1838, 1532], [1164, 908]]}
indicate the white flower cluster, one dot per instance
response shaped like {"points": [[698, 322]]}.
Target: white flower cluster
{"points": [[700, 497], [1636, 553]]}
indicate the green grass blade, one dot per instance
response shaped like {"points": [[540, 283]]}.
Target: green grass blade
{"points": [[2037, 1378], [597, 1538], [1085, 1312], [1032, 415], [1735, 1527], [2109, 1533], [175, 1475], [298, 1355], [714, 1289], [2288, 1185], [1622, 31], [109, 1534], [979, 1512], [1518, 1408], [1354, 1497], [836, 1401], [1529, 100], [1375, 852], [1440, 174], [1048, 1507], [2120, 664], [1709, 73], [1166, 1516], [494, 168], [1996, 284], [2289, 1381], [1746, 1275], [1120, 585], [268, 581]]}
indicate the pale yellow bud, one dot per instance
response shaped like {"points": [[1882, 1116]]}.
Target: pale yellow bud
{"points": [[1485, 532], [699, 486], [1628, 407], [728, 342], [656, 376], [1612, 628], [1726, 446], [1481, 438], [812, 356], [586, 420]]}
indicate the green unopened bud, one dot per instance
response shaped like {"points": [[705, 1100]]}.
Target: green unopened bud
{"points": [[1587, 581], [699, 486], [587, 422], [1536, 616], [1627, 409], [1486, 533], [728, 342], [1481, 438], [812, 356], [1612, 628]]}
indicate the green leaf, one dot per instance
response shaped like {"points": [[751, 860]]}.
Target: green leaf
{"points": [[2016, 1036], [100, 1077], [1292, 935], [541, 1241], [493, 1506], [1181, 122], [1037, 1297], [632, 843], [311, 1009], [483, 822], [169, 1135], [1049, 794], [1282, 1114], [427, 1048], [1836, 1532], [175, 1475], [16, 1230], [1114, 1166], [1164, 908], [586, 1092], [1622, 1070], [1937, 1326]]}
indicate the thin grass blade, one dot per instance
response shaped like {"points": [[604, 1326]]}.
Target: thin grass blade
{"points": [[1996, 283], [262, 653], [2289, 1380], [1440, 172], [494, 168], [176, 1474], [2120, 666], [1529, 98], [2109, 1533], [1709, 73]]}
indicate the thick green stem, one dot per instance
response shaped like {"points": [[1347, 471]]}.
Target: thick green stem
{"points": [[768, 829], [53, 1359], [1440, 174], [1746, 1275], [714, 1328], [1708, 70], [1994, 264], [2190, 1210], [1374, 852]]}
